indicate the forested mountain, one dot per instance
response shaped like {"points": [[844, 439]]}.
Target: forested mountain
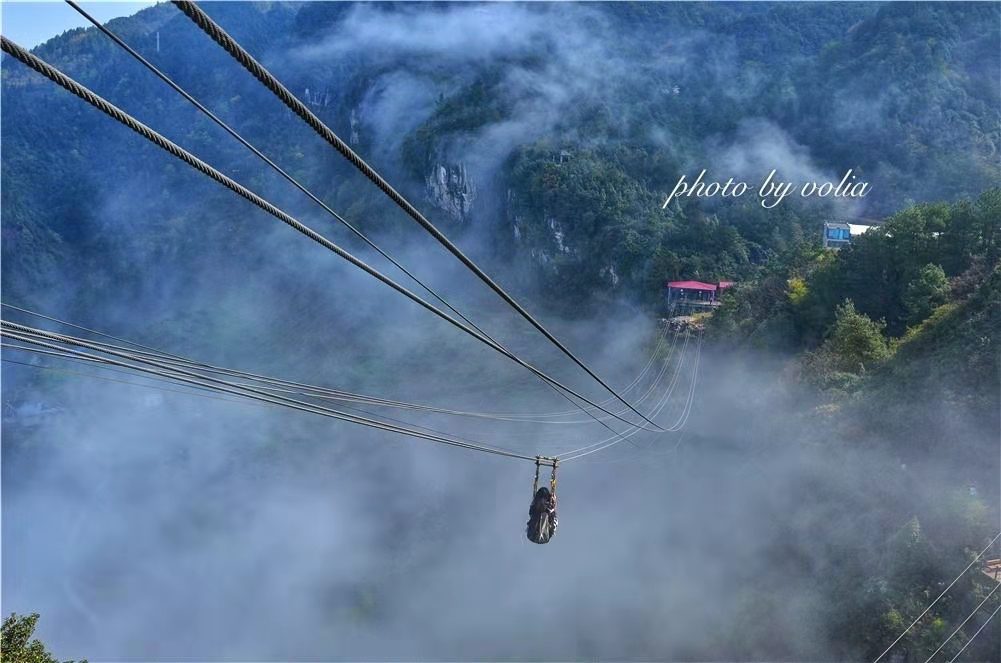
{"points": [[840, 467], [889, 353], [546, 135]]}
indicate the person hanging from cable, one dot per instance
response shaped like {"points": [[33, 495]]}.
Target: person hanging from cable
{"points": [[542, 519]]}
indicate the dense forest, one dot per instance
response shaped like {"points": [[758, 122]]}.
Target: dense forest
{"points": [[520, 144], [892, 344], [845, 458]]}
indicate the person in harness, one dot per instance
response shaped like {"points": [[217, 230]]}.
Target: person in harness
{"points": [[542, 520]]}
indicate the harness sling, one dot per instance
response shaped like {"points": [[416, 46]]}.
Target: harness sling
{"points": [[542, 520], [552, 479]]}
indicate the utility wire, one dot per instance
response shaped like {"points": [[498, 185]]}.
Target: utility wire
{"points": [[273, 384], [658, 407], [171, 372], [68, 356], [932, 604], [40, 337], [110, 109], [33, 337], [601, 445], [958, 628], [974, 636], [677, 426], [87, 329], [278, 169], [56, 369], [221, 37], [313, 391]]}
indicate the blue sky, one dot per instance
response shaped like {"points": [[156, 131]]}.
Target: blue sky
{"points": [[31, 23]]}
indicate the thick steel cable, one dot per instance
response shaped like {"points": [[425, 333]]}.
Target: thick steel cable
{"points": [[244, 392], [959, 628], [339, 395], [329, 393], [169, 377], [611, 442], [691, 392], [278, 169], [654, 412], [71, 357], [937, 598], [35, 334], [167, 369], [113, 111], [126, 352], [220, 36], [56, 369], [676, 427], [974, 636], [86, 329], [117, 350]]}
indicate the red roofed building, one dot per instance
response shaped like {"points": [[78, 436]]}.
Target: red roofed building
{"points": [[691, 285], [690, 295]]}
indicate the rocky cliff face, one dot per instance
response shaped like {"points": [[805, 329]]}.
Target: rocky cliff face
{"points": [[450, 188], [543, 242]]}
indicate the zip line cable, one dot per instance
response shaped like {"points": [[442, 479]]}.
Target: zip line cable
{"points": [[658, 406], [958, 628], [601, 445], [678, 425], [65, 354], [75, 355], [87, 329], [25, 333], [223, 39], [42, 338], [188, 363], [246, 392], [932, 604], [34, 336], [113, 111], [514, 416], [151, 135], [56, 369], [278, 169], [170, 380], [974, 636], [340, 395]]}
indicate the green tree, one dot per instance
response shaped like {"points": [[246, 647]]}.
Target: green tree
{"points": [[16, 645], [988, 223], [925, 293], [855, 342]]}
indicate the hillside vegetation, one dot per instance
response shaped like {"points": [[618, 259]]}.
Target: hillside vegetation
{"points": [[544, 139], [891, 350], [557, 148]]}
